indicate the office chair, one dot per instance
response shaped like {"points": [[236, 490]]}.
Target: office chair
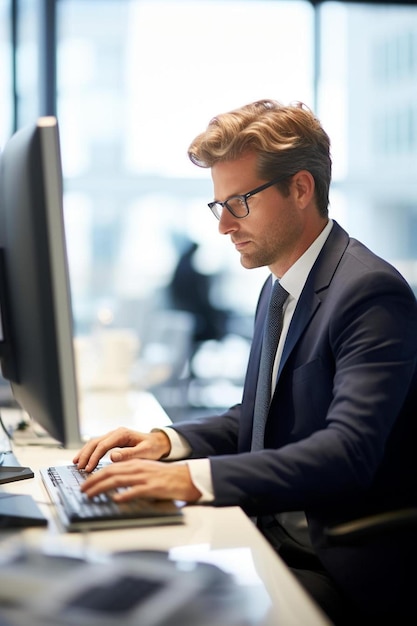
{"points": [[396, 568], [370, 526]]}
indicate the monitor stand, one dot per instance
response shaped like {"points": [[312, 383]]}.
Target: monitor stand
{"points": [[10, 470]]}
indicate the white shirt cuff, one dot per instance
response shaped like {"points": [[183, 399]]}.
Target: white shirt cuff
{"points": [[180, 448], [200, 469]]}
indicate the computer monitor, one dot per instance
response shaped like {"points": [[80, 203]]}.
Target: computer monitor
{"points": [[36, 342]]}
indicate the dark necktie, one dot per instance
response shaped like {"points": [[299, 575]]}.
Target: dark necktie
{"points": [[272, 332]]}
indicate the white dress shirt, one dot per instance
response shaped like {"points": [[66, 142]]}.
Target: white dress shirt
{"points": [[293, 281]]}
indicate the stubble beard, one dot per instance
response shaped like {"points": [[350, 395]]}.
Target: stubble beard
{"points": [[257, 259]]}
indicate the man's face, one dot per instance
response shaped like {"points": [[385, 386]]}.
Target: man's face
{"points": [[270, 234]]}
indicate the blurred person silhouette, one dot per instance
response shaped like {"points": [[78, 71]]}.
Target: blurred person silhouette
{"points": [[190, 290]]}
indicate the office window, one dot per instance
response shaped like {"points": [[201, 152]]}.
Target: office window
{"points": [[134, 88], [6, 100], [367, 101], [137, 79], [27, 61]]}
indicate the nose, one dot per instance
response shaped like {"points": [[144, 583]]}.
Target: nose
{"points": [[228, 223]]}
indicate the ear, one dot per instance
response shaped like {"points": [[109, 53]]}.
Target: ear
{"points": [[303, 186]]}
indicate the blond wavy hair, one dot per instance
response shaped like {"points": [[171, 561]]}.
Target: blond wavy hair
{"points": [[287, 139]]}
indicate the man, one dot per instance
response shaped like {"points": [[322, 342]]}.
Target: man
{"points": [[338, 441]]}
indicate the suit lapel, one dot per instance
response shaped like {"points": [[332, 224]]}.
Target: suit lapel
{"points": [[313, 293], [315, 289]]}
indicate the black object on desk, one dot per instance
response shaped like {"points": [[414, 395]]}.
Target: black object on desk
{"points": [[9, 474], [11, 470], [19, 511]]}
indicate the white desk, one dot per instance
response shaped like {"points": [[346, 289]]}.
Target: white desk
{"points": [[223, 536], [100, 412]]}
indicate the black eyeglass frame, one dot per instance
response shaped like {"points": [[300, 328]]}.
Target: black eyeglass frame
{"points": [[243, 198]]}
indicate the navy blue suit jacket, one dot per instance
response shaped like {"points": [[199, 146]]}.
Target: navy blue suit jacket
{"points": [[341, 435]]}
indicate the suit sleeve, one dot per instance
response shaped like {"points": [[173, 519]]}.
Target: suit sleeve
{"points": [[217, 434], [367, 356]]}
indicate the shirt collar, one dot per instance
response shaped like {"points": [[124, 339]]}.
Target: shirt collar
{"points": [[295, 277]]}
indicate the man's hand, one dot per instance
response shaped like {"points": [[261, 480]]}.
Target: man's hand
{"points": [[129, 443], [143, 479]]}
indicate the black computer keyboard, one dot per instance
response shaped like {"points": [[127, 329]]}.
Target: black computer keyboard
{"points": [[78, 511]]}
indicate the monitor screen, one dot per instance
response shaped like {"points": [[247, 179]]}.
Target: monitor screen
{"points": [[36, 340]]}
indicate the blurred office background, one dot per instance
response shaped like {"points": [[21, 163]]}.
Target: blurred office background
{"points": [[132, 82]]}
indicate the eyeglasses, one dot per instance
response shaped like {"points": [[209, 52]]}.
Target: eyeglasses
{"points": [[238, 205]]}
